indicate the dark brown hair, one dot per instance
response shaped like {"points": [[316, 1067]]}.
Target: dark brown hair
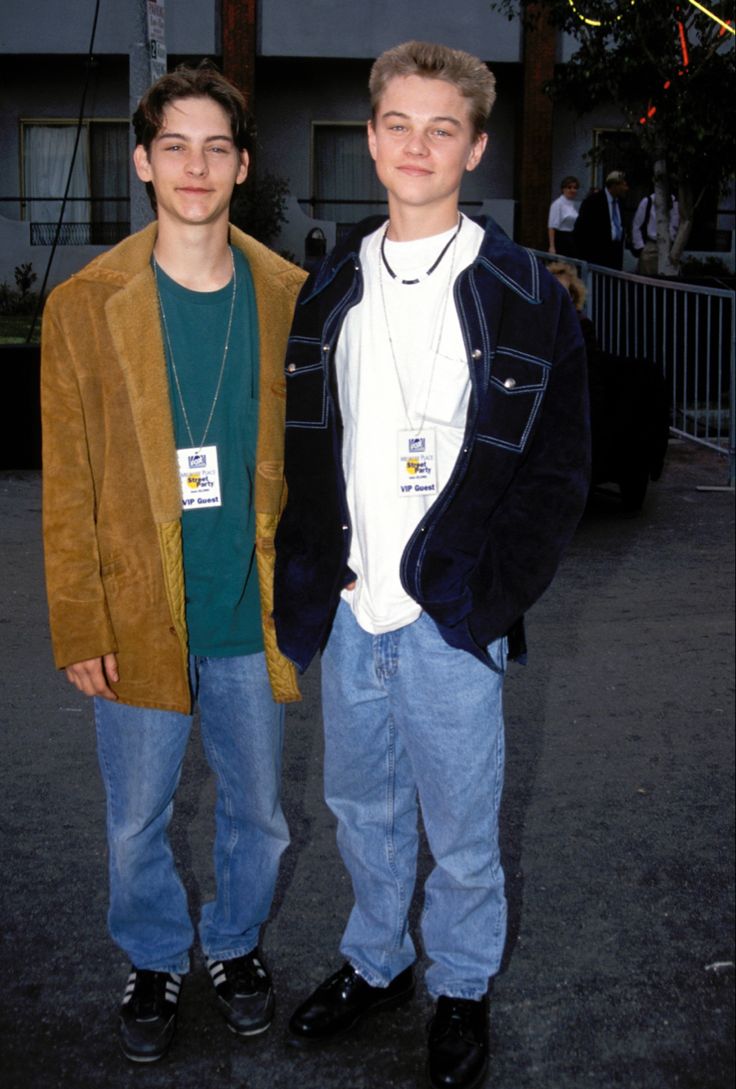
{"points": [[202, 82]]}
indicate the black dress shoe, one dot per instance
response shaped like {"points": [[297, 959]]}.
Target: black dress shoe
{"points": [[340, 1002], [458, 1046]]}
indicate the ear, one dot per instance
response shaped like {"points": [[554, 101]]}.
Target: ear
{"points": [[243, 167], [141, 163], [372, 140], [476, 152]]}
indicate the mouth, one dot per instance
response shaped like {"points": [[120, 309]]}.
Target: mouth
{"points": [[414, 171], [193, 189]]}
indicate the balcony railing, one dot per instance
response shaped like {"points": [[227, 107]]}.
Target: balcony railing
{"points": [[79, 234], [99, 229]]}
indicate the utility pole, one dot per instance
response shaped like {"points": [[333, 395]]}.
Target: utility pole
{"points": [[238, 19], [534, 151], [147, 61]]}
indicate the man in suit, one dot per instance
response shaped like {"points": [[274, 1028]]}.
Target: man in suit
{"points": [[163, 448], [599, 229]]}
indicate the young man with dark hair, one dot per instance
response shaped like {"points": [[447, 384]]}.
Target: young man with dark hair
{"points": [[163, 453], [437, 465]]}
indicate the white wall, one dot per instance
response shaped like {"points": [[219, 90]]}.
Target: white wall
{"points": [[341, 28], [16, 249], [65, 26]]}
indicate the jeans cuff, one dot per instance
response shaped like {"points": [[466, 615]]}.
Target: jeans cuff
{"points": [[370, 977], [473, 994]]}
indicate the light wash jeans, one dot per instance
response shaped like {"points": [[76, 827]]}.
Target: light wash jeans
{"points": [[406, 717], [141, 752]]}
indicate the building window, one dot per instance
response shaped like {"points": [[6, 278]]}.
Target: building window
{"points": [[97, 208], [344, 183]]}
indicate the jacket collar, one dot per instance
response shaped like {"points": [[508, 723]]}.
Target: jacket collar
{"points": [[515, 267], [133, 319]]}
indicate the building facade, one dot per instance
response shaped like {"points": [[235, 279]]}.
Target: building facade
{"points": [[73, 70]]}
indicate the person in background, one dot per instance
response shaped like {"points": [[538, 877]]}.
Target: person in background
{"points": [[599, 229], [568, 277], [563, 211], [644, 233], [162, 404]]}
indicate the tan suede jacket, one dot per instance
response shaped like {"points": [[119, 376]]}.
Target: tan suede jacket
{"points": [[111, 496]]}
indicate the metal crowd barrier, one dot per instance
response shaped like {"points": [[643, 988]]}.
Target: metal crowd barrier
{"points": [[687, 329]]}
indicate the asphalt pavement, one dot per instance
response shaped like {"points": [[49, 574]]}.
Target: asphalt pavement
{"points": [[618, 838]]}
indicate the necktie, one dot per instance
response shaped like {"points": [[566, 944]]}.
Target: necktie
{"points": [[616, 221]]}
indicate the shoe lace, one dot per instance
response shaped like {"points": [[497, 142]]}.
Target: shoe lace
{"points": [[340, 978], [145, 992], [461, 1014], [247, 974]]}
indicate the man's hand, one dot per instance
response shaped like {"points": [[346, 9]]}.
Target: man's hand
{"points": [[91, 676]]}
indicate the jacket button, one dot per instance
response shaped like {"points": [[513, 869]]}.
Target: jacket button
{"points": [[291, 368], [510, 383], [325, 347], [477, 353], [346, 527]]}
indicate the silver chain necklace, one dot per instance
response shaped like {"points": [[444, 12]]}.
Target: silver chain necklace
{"points": [[441, 330], [171, 354]]}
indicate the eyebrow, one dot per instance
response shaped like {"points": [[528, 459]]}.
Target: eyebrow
{"points": [[183, 136], [432, 120]]}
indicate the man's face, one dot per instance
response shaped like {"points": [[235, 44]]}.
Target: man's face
{"points": [[192, 162], [619, 189], [422, 142]]}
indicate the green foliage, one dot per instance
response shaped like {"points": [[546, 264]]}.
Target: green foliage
{"points": [[706, 266], [14, 329], [634, 60], [18, 302], [259, 206], [25, 278]]}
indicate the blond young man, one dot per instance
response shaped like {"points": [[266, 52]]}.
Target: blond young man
{"points": [[163, 447], [437, 465]]}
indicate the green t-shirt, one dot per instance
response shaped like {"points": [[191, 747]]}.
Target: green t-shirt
{"points": [[221, 582]]}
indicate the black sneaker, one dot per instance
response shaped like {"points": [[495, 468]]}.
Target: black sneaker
{"points": [[147, 1019], [244, 992]]}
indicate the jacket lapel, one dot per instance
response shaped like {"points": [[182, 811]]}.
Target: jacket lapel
{"points": [[135, 327]]}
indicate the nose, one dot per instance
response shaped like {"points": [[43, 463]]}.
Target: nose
{"points": [[416, 144], [197, 163]]}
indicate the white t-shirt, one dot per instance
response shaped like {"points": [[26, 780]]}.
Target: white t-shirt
{"points": [[562, 214], [401, 365]]}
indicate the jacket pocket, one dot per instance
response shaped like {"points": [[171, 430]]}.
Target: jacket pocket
{"points": [[514, 397], [306, 393]]}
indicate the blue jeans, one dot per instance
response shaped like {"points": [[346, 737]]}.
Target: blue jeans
{"points": [[141, 752], [409, 718]]}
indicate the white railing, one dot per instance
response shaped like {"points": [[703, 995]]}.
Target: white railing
{"points": [[687, 330]]}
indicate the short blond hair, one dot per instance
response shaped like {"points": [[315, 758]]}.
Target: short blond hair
{"points": [[471, 76]]}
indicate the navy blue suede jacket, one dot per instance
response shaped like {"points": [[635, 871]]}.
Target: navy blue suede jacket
{"points": [[490, 543]]}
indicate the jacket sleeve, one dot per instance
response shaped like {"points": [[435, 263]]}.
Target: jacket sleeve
{"points": [[78, 614], [540, 509]]}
